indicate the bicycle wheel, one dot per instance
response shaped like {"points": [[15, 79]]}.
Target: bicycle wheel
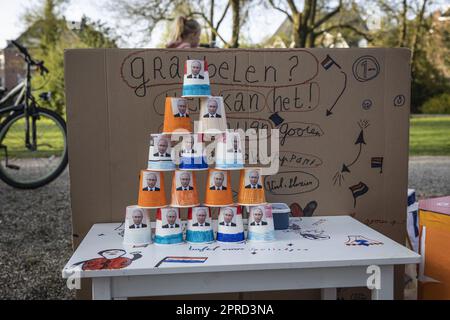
{"points": [[23, 168]]}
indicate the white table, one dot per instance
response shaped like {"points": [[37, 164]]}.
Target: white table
{"points": [[317, 252]]}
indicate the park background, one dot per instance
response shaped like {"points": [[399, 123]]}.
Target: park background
{"points": [[37, 250]]}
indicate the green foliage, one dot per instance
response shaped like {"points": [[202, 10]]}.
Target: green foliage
{"points": [[427, 81], [430, 42], [48, 36], [430, 136], [439, 104]]}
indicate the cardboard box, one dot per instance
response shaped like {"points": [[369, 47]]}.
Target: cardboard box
{"points": [[434, 271], [343, 116]]}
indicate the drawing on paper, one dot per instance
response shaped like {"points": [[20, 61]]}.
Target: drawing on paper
{"points": [[110, 259], [181, 260], [361, 241]]}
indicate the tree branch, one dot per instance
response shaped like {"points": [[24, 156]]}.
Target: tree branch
{"points": [[281, 10], [328, 16], [292, 6], [223, 15], [366, 35], [213, 29]]}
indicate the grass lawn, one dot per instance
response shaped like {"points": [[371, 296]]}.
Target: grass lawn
{"points": [[430, 136], [50, 140]]}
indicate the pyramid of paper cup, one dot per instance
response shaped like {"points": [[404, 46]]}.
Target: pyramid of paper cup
{"points": [[179, 145]]}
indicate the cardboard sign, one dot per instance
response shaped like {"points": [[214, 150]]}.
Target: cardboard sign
{"points": [[343, 117]]}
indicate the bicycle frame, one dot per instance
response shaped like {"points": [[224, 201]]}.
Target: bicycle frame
{"points": [[22, 102], [19, 90]]}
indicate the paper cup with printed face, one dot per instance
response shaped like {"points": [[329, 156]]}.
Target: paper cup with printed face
{"points": [[168, 226], [151, 190], [251, 190], [184, 190], [229, 152], [260, 224], [230, 225], [212, 116], [218, 189], [192, 153], [137, 228], [160, 153], [176, 116], [196, 79], [199, 227]]}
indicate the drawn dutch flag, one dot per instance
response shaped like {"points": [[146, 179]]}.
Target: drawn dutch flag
{"points": [[377, 162], [358, 190], [328, 63], [182, 260]]}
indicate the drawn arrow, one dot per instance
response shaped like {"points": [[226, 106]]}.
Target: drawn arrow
{"points": [[360, 141], [329, 111]]}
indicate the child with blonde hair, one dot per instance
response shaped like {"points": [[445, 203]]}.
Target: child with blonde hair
{"points": [[186, 34]]}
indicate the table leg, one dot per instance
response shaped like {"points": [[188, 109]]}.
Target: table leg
{"points": [[329, 294], [386, 291], [101, 288]]}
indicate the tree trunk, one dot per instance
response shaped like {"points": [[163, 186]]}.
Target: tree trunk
{"points": [[304, 24], [418, 35], [235, 7], [403, 33], [296, 32], [312, 34], [211, 18]]}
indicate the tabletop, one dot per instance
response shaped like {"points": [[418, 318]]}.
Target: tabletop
{"points": [[312, 242]]}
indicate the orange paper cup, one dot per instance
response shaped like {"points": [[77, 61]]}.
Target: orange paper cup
{"points": [[218, 189], [251, 190], [184, 189], [151, 190], [176, 116]]}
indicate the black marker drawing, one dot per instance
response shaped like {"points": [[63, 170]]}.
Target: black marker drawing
{"points": [[292, 159], [291, 182], [358, 190], [319, 222], [137, 68], [120, 229], [361, 241], [314, 235], [293, 67], [367, 104], [328, 62], [363, 124], [338, 178], [329, 111], [377, 162], [359, 141], [399, 100], [183, 260], [288, 249], [310, 234], [110, 259], [120, 226], [366, 68], [276, 119]]}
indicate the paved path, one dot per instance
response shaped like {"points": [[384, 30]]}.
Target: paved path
{"points": [[430, 176], [35, 230]]}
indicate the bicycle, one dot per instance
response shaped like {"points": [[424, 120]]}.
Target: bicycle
{"points": [[33, 140]]}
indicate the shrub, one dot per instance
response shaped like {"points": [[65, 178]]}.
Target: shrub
{"points": [[439, 104]]}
